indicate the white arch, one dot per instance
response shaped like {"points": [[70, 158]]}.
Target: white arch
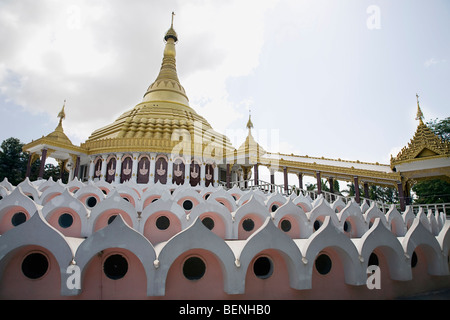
{"points": [[418, 235], [112, 201], [118, 234], [28, 188], [197, 236], [162, 205], [323, 210], [219, 210], [297, 213], [396, 222], [37, 231], [328, 236], [443, 239], [270, 237], [373, 213], [18, 199], [66, 199], [352, 212], [382, 238], [222, 194]]}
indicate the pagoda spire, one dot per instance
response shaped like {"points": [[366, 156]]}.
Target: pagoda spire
{"points": [[167, 80], [249, 122], [419, 115], [61, 116]]}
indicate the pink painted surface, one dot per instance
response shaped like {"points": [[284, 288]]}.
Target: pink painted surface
{"points": [[102, 219], [219, 225], [243, 234], [294, 232], [96, 285], [15, 285], [155, 235], [5, 222], [210, 286], [74, 230]]}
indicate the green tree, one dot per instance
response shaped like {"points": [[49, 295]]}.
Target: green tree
{"points": [[441, 128], [432, 191], [13, 161], [13, 164]]}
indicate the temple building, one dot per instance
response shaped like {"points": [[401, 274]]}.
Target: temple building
{"points": [[159, 205]]}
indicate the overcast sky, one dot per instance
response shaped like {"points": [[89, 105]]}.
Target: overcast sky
{"points": [[322, 78]]}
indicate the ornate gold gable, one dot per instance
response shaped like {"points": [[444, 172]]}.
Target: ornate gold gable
{"points": [[424, 145]]}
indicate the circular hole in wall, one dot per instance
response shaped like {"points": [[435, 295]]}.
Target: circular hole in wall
{"points": [[273, 208], [65, 220], [91, 202], [35, 265], [194, 268], [263, 267], [18, 218], [115, 266], [285, 225], [111, 218], [347, 226], [188, 205], [323, 264], [248, 224], [414, 260], [317, 225], [162, 223], [373, 260], [208, 222]]}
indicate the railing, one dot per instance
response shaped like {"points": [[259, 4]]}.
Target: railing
{"points": [[331, 197]]}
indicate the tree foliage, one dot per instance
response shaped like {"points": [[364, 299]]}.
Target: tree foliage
{"points": [[432, 191], [441, 128], [13, 163]]}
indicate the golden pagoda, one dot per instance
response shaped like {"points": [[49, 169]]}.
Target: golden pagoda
{"points": [[157, 123]]}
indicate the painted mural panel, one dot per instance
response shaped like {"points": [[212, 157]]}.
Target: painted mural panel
{"points": [[161, 165], [178, 171], [127, 168]]}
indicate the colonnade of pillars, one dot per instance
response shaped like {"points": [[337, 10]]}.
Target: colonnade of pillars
{"points": [[72, 173], [152, 168], [404, 199]]}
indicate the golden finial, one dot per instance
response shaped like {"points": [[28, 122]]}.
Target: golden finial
{"points": [[249, 122], [62, 114], [171, 32], [419, 115]]}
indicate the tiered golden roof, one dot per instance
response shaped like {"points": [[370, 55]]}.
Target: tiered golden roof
{"points": [[424, 144], [250, 148]]}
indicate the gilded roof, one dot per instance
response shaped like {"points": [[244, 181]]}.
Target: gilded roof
{"points": [[424, 144], [162, 116]]}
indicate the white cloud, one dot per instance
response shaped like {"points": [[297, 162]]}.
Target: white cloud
{"points": [[102, 60], [433, 61]]}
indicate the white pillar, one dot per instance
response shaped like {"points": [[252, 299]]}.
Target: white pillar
{"points": [[169, 169], [187, 171], [118, 167], [151, 178], [216, 175], [103, 174], [134, 167], [202, 174], [91, 168]]}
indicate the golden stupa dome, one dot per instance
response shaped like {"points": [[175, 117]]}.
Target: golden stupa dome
{"points": [[164, 110]]}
